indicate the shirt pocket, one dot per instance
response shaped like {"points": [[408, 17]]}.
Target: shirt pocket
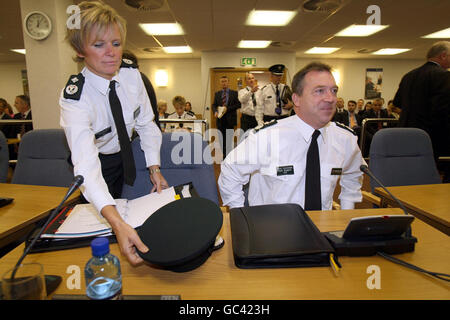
{"points": [[328, 180]]}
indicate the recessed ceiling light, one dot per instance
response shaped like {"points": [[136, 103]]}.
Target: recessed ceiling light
{"points": [[360, 30], [162, 29], [443, 34], [178, 49], [390, 51], [22, 51], [321, 50], [253, 44], [269, 18]]}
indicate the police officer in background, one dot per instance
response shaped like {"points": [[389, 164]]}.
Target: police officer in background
{"points": [[249, 97], [298, 159], [275, 97]]}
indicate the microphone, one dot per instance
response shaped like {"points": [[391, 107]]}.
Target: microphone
{"points": [[76, 183], [366, 170]]}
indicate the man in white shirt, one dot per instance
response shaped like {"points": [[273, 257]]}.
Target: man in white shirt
{"points": [[249, 97], [274, 97], [276, 158]]}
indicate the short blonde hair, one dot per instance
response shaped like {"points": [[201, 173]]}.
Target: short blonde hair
{"points": [[94, 14]]}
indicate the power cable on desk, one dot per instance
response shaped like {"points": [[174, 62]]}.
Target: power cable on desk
{"points": [[441, 276]]}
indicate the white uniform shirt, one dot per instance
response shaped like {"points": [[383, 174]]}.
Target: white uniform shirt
{"points": [[171, 127], [245, 97], [89, 127], [282, 148], [268, 101]]}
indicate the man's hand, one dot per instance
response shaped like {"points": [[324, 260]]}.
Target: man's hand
{"points": [[126, 236]]}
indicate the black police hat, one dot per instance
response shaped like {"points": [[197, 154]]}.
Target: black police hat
{"points": [[181, 235], [277, 69]]}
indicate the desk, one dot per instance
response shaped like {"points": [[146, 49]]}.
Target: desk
{"points": [[219, 278], [31, 204], [430, 203]]}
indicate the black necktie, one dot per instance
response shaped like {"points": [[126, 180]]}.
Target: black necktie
{"points": [[129, 169], [313, 198], [278, 108], [253, 99]]}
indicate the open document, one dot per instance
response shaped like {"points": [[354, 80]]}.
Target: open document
{"points": [[84, 220]]}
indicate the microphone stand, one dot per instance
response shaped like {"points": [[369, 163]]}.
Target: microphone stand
{"points": [[78, 180]]}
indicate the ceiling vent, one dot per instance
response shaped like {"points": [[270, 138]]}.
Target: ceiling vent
{"points": [[325, 6], [282, 44], [365, 51], [144, 5], [153, 49]]}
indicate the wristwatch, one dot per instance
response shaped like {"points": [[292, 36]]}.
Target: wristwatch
{"points": [[154, 170]]}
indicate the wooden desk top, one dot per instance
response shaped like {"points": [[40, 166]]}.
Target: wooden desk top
{"points": [[430, 203], [218, 278], [30, 204]]}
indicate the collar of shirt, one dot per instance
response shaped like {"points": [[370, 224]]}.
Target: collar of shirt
{"points": [[307, 131], [99, 83]]}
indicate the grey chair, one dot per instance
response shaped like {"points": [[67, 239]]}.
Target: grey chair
{"points": [[185, 157], [4, 158], [44, 159], [402, 157]]}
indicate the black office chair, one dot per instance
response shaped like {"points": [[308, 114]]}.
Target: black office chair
{"points": [[43, 159], [4, 158], [402, 157], [199, 168]]}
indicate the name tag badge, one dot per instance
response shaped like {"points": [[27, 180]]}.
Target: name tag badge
{"points": [[336, 171], [137, 112], [285, 170]]}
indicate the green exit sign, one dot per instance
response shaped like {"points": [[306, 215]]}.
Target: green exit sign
{"points": [[248, 61]]}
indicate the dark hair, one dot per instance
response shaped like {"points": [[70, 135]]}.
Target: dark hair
{"points": [[297, 82], [224, 77], [351, 101], [25, 98]]}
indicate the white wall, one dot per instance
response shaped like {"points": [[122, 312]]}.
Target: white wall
{"points": [[11, 81], [190, 77], [184, 80], [353, 73]]}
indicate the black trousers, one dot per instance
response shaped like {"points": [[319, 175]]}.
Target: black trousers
{"points": [[112, 172], [248, 122]]}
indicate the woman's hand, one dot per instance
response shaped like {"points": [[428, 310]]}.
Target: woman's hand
{"points": [[126, 236], [159, 183]]}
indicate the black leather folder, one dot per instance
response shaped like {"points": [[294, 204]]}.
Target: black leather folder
{"points": [[277, 236]]}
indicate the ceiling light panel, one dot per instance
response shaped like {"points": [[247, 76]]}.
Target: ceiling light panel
{"points": [[269, 18]]}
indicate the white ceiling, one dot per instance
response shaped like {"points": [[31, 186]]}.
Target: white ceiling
{"points": [[218, 25]]}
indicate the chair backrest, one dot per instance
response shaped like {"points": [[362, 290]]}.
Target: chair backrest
{"points": [[401, 157], [185, 157], [43, 159], [4, 158]]}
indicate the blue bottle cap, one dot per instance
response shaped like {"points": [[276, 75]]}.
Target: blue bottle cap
{"points": [[100, 246]]}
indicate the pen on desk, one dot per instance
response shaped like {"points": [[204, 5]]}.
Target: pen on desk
{"points": [[334, 265]]}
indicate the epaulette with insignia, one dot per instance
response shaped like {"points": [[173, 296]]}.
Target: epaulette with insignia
{"points": [[74, 87], [264, 87], [190, 113], [127, 63], [343, 126], [266, 124]]}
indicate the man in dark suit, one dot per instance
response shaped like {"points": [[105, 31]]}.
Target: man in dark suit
{"points": [[341, 113], [22, 104], [424, 98], [225, 104]]}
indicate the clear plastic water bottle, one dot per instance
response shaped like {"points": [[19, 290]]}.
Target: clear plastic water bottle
{"points": [[102, 273]]}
